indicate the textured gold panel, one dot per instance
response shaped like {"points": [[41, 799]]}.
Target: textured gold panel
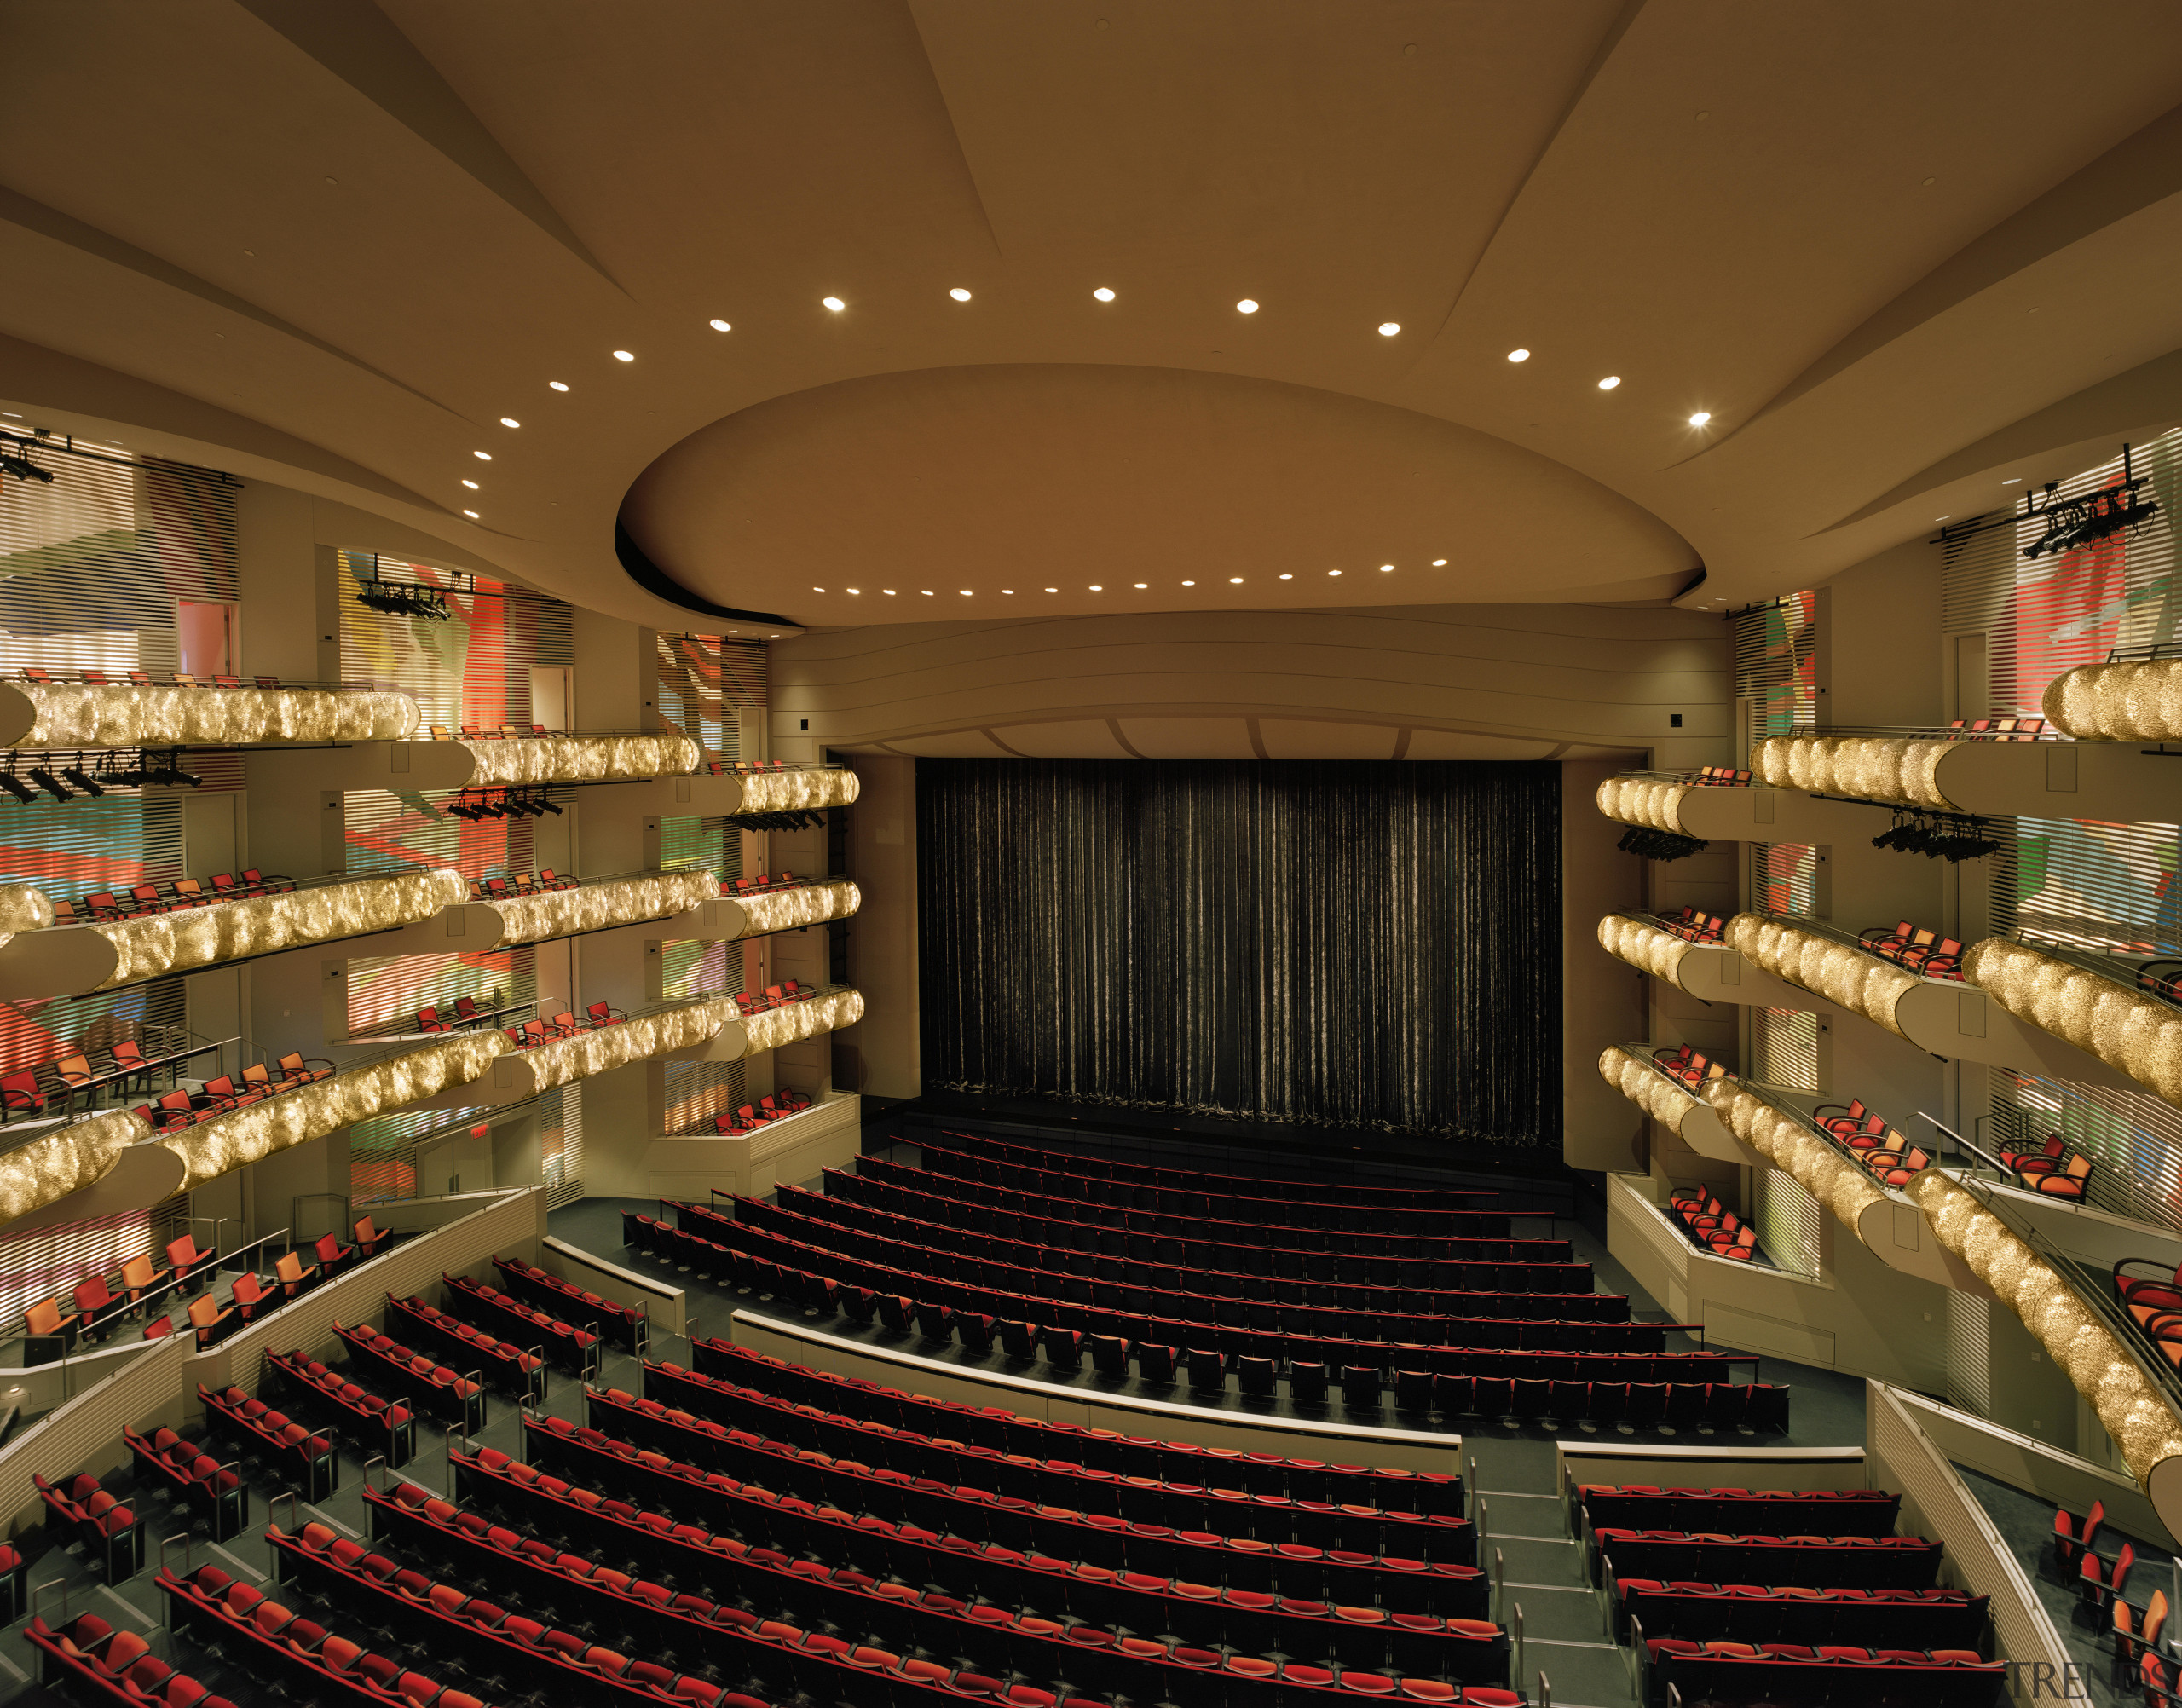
{"points": [[1644, 945], [1871, 768], [806, 1019], [1645, 1086], [2146, 1427], [1644, 800], [131, 717], [1815, 1165], [2118, 702], [581, 758], [594, 907], [1856, 980], [64, 1161], [23, 907], [797, 791], [771, 910], [2124, 1028], [242, 1136], [639, 1039], [258, 924]]}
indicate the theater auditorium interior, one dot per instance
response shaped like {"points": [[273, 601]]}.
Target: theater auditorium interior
{"points": [[1488, 1012]]}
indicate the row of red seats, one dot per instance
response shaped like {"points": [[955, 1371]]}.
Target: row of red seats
{"points": [[565, 1024], [1711, 1226], [369, 1423], [776, 1106], [1692, 925], [223, 1093], [763, 881], [67, 1077], [1734, 1672], [270, 1640], [85, 1512], [1001, 1431], [898, 1457], [144, 900], [2052, 1169], [1204, 1613], [1687, 1067], [1836, 1512], [192, 1476], [576, 1348], [844, 1598], [774, 996], [1995, 729], [303, 1459], [1870, 1562], [626, 1325], [1721, 776], [1397, 1582], [1922, 951], [501, 1362], [1315, 1191], [1076, 1212], [430, 1385], [1234, 1202], [539, 883], [132, 678], [882, 1191], [107, 1665], [250, 1296], [1745, 1613]]}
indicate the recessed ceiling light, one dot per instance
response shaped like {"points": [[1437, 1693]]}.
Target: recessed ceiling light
{"points": [[817, 590], [1052, 589], [855, 589], [1288, 578], [1246, 306], [1439, 562], [927, 593], [1232, 580], [721, 326], [471, 514], [2013, 480], [1519, 356], [1610, 382], [556, 385], [1701, 418], [1385, 568], [959, 294], [1333, 572], [1388, 328], [834, 303], [1096, 588], [482, 456], [1103, 294], [510, 421], [472, 485], [1007, 590], [624, 356], [1189, 584], [1942, 519], [965, 592]]}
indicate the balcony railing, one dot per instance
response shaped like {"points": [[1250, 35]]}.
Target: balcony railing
{"points": [[2123, 699], [39, 711], [2093, 1002]]}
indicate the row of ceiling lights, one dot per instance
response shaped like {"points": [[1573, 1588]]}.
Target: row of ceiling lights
{"points": [[1099, 586]]}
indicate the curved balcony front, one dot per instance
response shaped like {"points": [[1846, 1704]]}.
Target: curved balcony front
{"points": [[671, 902], [599, 756], [55, 715], [1678, 802], [2079, 1000], [1956, 771], [1632, 1070], [2125, 701], [1710, 972], [74, 959]]}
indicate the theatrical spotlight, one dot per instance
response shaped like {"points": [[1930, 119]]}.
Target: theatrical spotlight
{"points": [[18, 463], [51, 784], [1659, 845], [16, 786], [546, 805], [1938, 836], [83, 780]]}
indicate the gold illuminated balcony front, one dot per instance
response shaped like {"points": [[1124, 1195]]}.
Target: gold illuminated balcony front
{"points": [[2126, 699], [174, 934], [40, 712]]}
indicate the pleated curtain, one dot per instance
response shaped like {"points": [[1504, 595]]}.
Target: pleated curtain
{"points": [[1344, 944]]}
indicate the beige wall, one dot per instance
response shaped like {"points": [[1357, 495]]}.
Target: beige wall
{"points": [[883, 935], [1601, 999]]}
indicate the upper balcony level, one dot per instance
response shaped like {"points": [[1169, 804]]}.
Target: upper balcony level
{"points": [[79, 711]]}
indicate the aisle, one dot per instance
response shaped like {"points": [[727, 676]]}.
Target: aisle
{"points": [[1564, 1630]]}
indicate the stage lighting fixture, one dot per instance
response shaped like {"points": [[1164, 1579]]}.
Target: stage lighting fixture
{"points": [[51, 784], [83, 780], [18, 464], [1938, 836], [549, 806], [16, 786], [1659, 845]]}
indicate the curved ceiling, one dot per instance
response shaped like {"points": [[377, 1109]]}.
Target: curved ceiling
{"points": [[1897, 257], [1085, 488]]}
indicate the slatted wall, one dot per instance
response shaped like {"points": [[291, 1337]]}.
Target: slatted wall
{"points": [[1791, 1225]]}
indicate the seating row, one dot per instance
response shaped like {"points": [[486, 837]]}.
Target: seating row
{"points": [[573, 1348], [271, 1641], [194, 1477], [2052, 1169], [773, 1106], [1687, 1067], [539, 883], [106, 1665], [135, 678], [1867, 1562], [780, 995], [1364, 1231], [1995, 730], [83, 1513], [369, 1423], [1104, 1450], [1272, 1273], [1710, 1226], [1922, 950], [465, 1012], [839, 1597], [60, 1081], [774, 1537], [1737, 1672], [501, 1362], [431, 1385], [172, 895], [876, 1507], [763, 881], [223, 1093], [1316, 1191], [1692, 924], [628, 1327], [1721, 776], [916, 1466], [303, 1459], [1749, 1613], [1836, 1512]]}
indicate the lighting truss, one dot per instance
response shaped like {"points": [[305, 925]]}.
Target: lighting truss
{"points": [[64, 776], [403, 598], [1946, 836], [502, 803], [2071, 522], [1659, 845]]}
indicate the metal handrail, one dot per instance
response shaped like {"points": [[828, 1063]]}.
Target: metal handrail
{"points": [[1919, 732]]}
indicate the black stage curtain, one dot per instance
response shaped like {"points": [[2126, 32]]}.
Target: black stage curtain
{"points": [[1337, 945]]}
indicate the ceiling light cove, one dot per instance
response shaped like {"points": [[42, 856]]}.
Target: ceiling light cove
{"points": [[834, 303], [1388, 328], [1610, 382], [624, 355], [1701, 418], [557, 386], [1103, 294], [959, 294], [1247, 306], [720, 326], [1519, 356]]}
